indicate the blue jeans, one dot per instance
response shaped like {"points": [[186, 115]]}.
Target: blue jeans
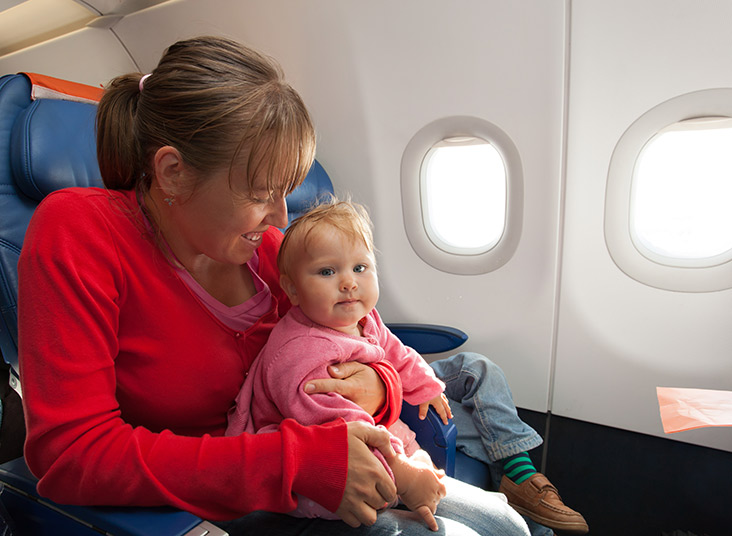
{"points": [[465, 511], [489, 428]]}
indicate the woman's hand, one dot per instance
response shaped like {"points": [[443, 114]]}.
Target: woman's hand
{"points": [[368, 486], [355, 381], [441, 405]]}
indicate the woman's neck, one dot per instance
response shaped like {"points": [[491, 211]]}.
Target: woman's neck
{"points": [[228, 283]]}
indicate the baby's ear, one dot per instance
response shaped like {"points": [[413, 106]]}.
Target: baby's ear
{"points": [[289, 287]]}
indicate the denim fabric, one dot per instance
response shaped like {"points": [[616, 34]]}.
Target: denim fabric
{"points": [[489, 428], [465, 511]]}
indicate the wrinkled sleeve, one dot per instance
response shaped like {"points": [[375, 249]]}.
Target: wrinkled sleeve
{"points": [[392, 408], [419, 383]]}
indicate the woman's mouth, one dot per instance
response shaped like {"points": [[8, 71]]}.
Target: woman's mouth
{"points": [[254, 238]]}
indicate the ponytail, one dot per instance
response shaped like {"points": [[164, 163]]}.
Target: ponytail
{"points": [[118, 149]]}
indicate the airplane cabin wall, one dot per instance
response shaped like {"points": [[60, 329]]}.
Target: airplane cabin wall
{"points": [[373, 74], [618, 339], [586, 342]]}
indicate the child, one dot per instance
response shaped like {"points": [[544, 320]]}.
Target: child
{"points": [[328, 270]]}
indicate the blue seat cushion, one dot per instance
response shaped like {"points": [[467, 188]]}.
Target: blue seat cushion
{"points": [[52, 146]]}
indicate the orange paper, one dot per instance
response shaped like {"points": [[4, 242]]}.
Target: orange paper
{"points": [[686, 409]]}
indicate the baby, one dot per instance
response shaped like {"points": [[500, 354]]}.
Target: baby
{"points": [[328, 270]]}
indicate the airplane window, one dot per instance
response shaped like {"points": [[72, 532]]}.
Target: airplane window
{"points": [[462, 195], [682, 191], [669, 189], [463, 187]]}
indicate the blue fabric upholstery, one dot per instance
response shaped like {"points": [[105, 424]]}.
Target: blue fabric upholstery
{"points": [[49, 144], [316, 185], [53, 147]]}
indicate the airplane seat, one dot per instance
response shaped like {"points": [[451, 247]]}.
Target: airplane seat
{"points": [[316, 185], [47, 144]]}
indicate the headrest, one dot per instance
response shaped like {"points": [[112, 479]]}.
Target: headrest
{"points": [[52, 146], [48, 87], [316, 184]]}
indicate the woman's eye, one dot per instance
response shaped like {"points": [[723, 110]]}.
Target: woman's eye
{"points": [[262, 197], [327, 272], [359, 268]]}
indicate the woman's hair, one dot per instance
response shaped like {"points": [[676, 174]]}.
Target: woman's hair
{"points": [[219, 104], [347, 217]]}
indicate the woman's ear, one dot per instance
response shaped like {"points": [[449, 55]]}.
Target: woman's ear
{"points": [[289, 287], [169, 166]]}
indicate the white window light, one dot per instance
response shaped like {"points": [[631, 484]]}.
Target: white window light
{"points": [[463, 190], [682, 193], [669, 188]]}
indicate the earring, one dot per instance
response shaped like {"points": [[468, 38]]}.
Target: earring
{"points": [[170, 200]]}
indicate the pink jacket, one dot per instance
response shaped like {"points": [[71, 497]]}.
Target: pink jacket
{"points": [[299, 350]]}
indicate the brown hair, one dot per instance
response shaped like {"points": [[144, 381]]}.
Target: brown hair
{"points": [[347, 217], [218, 103]]}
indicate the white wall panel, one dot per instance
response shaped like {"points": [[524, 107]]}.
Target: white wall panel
{"points": [[618, 339]]}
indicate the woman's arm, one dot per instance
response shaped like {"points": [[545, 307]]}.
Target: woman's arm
{"points": [[375, 387]]}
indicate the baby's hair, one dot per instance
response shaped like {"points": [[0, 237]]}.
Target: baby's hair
{"points": [[219, 104], [352, 219]]}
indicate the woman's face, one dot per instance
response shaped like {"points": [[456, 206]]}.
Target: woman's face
{"points": [[221, 224]]}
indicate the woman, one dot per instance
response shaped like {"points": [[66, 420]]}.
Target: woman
{"points": [[148, 301]]}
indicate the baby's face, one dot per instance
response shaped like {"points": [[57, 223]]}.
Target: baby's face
{"points": [[334, 279]]}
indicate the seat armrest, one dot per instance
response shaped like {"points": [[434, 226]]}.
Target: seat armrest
{"points": [[436, 438], [120, 521], [429, 338]]}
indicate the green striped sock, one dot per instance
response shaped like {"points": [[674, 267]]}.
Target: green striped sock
{"points": [[518, 467]]}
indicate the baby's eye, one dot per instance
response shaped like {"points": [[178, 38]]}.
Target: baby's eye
{"points": [[359, 268], [327, 272]]}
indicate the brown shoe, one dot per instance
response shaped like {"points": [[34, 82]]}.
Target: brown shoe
{"points": [[538, 499]]}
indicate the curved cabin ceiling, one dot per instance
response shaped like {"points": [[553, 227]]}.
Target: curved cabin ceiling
{"points": [[24, 23]]}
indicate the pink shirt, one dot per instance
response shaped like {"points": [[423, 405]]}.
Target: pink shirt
{"points": [[242, 316]]}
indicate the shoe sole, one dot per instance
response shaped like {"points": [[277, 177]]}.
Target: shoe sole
{"points": [[572, 528]]}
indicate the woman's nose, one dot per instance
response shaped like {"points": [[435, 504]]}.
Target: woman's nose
{"points": [[277, 216]]}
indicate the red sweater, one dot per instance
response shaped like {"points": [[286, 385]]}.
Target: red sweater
{"points": [[127, 377]]}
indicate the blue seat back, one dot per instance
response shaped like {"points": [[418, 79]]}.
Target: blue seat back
{"points": [[45, 145], [316, 185]]}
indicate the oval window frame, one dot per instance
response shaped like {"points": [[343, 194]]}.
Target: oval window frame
{"points": [[705, 275], [411, 180]]}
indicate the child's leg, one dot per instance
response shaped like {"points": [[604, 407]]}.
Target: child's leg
{"points": [[490, 430]]}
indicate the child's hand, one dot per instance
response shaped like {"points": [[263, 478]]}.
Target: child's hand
{"points": [[441, 405], [421, 488]]}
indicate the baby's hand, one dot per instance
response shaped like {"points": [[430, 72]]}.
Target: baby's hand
{"points": [[441, 405], [419, 486]]}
